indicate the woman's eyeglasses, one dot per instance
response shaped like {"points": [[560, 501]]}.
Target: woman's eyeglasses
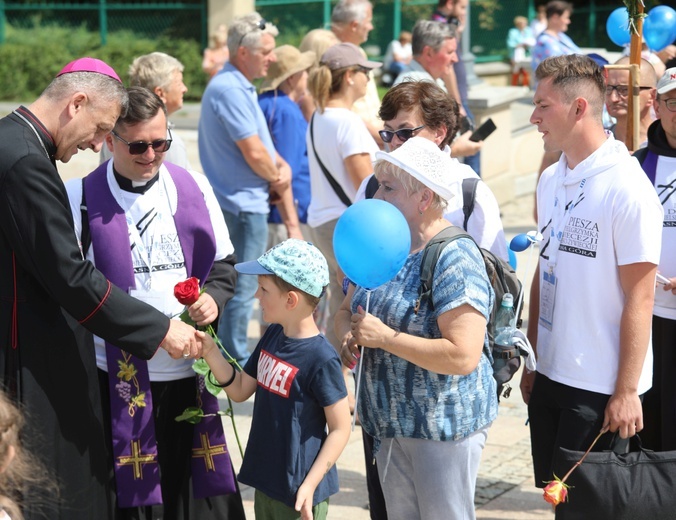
{"points": [[140, 147], [260, 25], [403, 134]]}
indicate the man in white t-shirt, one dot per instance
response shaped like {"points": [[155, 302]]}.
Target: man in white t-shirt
{"points": [[592, 294], [659, 163]]}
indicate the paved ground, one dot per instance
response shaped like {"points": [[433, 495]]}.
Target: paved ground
{"points": [[505, 487]]}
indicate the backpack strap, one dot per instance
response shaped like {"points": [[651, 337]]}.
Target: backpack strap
{"points": [[371, 187], [429, 261], [468, 195], [334, 184]]}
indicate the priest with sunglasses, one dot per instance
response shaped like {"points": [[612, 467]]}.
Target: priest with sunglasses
{"points": [[148, 224]]}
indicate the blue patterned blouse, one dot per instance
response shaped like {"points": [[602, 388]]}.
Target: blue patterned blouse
{"points": [[401, 399]]}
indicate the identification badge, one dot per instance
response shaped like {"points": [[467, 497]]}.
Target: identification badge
{"points": [[156, 299], [547, 295]]}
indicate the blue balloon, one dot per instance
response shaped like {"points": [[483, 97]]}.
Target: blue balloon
{"points": [[371, 242], [659, 27], [520, 243], [617, 27]]}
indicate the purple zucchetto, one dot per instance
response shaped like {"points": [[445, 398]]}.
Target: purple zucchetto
{"points": [[90, 65]]}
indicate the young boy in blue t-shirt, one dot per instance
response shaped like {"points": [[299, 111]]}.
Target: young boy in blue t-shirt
{"points": [[296, 374]]}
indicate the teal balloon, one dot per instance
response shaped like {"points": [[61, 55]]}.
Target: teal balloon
{"points": [[659, 27], [617, 27], [371, 242]]}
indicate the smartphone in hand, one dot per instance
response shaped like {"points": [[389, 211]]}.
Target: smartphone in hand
{"points": [[481, 133]]}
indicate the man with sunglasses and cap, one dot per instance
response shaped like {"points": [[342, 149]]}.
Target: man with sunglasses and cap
{"points": [[47, 290], [132, 227], [242, 165]]}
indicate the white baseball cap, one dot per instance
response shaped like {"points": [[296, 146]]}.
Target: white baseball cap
{"points": [[667, 82]]}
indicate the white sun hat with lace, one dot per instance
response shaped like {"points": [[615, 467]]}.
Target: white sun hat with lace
{"points": [[424, 161]]}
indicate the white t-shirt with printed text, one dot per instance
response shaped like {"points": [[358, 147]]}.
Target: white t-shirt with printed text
{"points": [[615, 220], [160, 241]]}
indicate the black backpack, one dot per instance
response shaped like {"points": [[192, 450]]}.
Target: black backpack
{"points": [[503, 279]]}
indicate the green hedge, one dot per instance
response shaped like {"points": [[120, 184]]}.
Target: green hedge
{"points": [[30, 58]]}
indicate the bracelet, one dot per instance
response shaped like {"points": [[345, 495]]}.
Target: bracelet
{"points": [[210, 377]]}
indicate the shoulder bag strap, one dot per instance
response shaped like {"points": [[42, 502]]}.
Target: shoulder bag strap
{"points": [[468, 195], [334, 184]]}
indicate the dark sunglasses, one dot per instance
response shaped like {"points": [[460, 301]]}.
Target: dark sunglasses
{"points": [[140, 147], [260, 25], [404, 134]]}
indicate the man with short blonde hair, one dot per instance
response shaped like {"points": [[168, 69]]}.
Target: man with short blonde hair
{"points": [[592, 293]]}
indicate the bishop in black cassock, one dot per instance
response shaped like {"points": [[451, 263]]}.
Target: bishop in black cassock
{"points": [[47, 290]]}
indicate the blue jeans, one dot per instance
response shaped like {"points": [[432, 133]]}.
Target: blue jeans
{"points": [[473, 161], [249, 236]]}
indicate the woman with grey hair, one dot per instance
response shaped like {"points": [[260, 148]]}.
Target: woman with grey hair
{"points": [[428, 394], [163, 75]]}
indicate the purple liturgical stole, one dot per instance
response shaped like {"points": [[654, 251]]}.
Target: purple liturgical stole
{"points": [[133, 429], [650, 166]]}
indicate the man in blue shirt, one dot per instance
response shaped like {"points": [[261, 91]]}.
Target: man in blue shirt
{"points": [[240, 161]]}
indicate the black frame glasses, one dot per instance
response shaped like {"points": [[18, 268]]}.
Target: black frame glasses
{"points": [[404, 134], [140, 147], [260, 25], [670, 104], [622, 90]]}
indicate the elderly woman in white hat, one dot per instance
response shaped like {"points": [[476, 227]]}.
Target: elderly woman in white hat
{"points": [[428, 394], [284, 85]]}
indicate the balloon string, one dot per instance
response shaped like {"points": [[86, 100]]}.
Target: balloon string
{"points": [[359, 367]]}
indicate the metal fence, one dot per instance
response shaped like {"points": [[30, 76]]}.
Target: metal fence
{"points": [[147, 18], [490, 20]]}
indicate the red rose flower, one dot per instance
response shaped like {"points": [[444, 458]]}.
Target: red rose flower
{"points": [[188, 291], [555, 492]]}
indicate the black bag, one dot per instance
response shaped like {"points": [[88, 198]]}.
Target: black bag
{"points": [[637, 485], [503, 280]]}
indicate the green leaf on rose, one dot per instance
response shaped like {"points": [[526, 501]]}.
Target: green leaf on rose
{"points": [[200, 367], [192, 415], [185, 318]]}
